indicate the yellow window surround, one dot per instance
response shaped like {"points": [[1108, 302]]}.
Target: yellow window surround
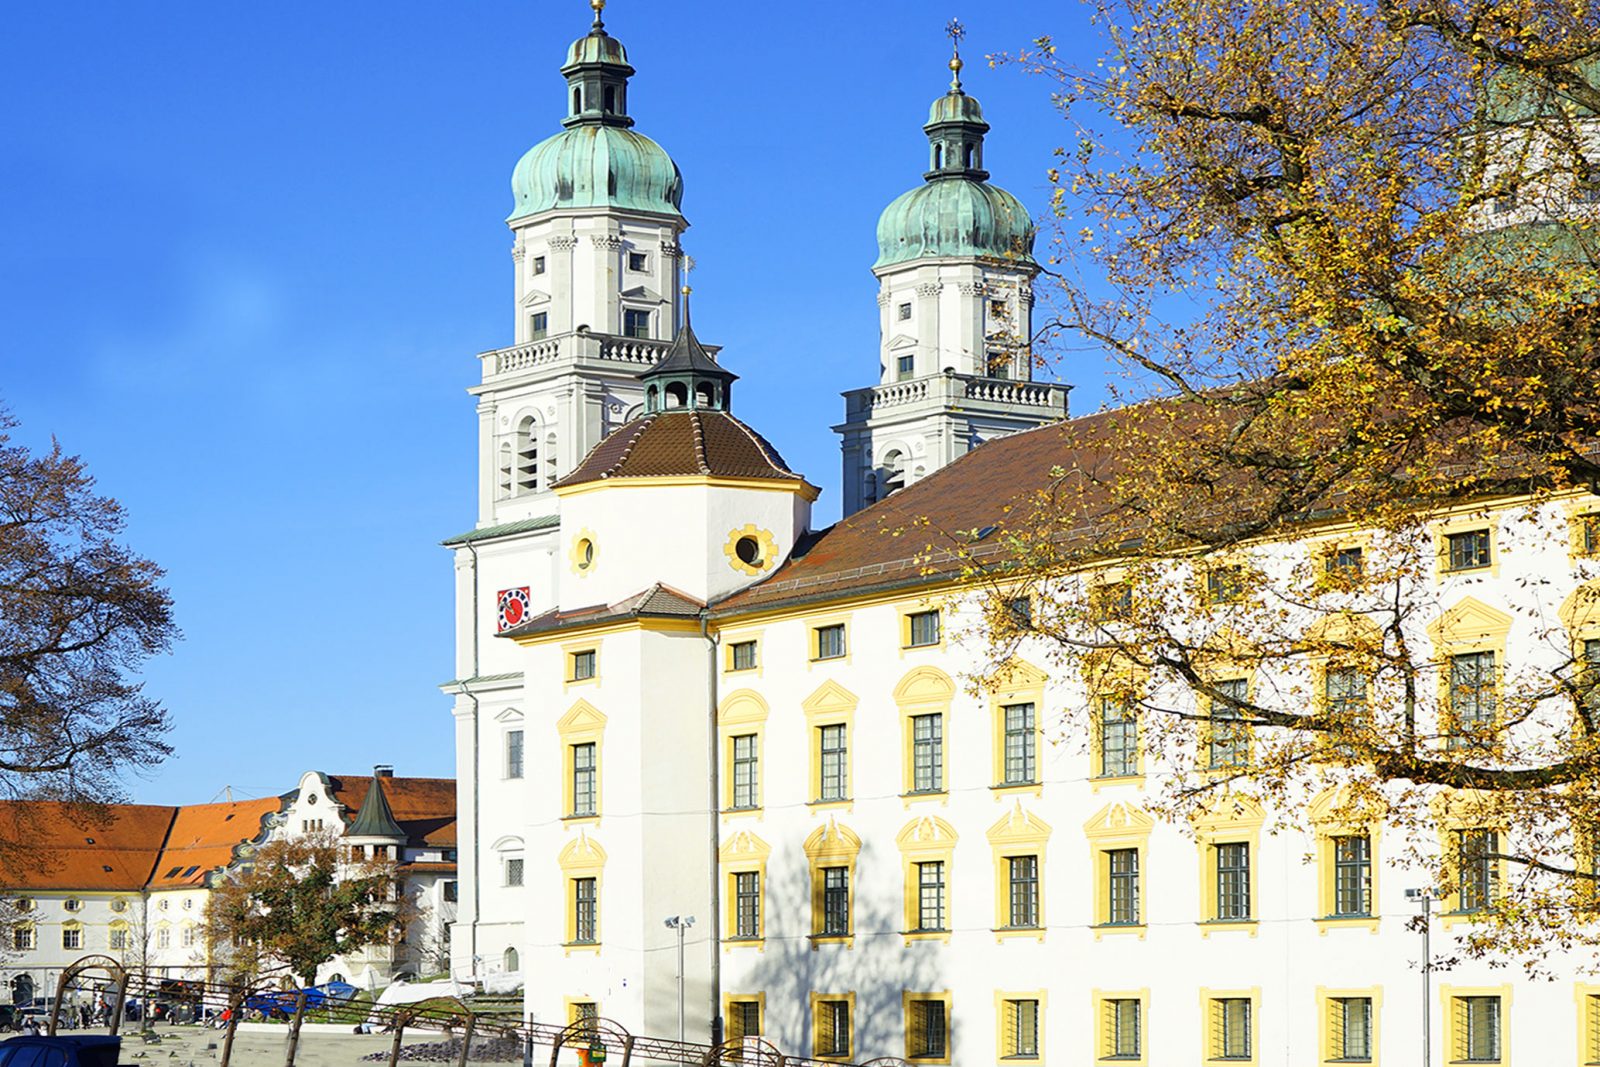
{"points": [[1332, 816], [1583, 529], [582, 724], [570, 663], [831, 845], [735, 1030], [814, 624], [743, 713], [1117, 826], [1586, 1000], [822, 1028], [1017, 682], [1009, 1045], [582, 858], [1467, 627], [1580, 615], [906, 611], [1017, 834], [914, 1009], [1458, 1035], [1104, 1004], [1464, 810], [925, 840], [1331, 1035], [744, 853], [1461, 524], [831, 705], [1213, 1034], [731, 638], [924, 691], [1223, 826]]}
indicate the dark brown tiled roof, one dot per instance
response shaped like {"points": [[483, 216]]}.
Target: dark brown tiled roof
{"points": [[679, 443], [905, 539], [658, 601], [425, 808]]}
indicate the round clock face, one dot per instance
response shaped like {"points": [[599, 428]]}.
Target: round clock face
{"points": [[513, 607], [513, 612]]}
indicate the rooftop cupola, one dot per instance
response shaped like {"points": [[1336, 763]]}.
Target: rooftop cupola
{"points": [[376, 819], [688, 377], [955, 127], [597, 73]]}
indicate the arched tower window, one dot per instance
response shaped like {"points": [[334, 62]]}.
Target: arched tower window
{"points": [[869, 491], [527, 458], [549, 460], [705, 396], [611, 99], [894, 472], [652, 399], [938, 156], [506, 467], [966, 156], [577, 99], [512, 962], [677, 395]]}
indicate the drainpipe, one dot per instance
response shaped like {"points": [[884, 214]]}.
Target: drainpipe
{"points": [[716, 829]]}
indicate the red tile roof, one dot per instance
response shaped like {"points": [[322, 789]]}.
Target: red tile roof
{"points": [[678, 443], [425, 808], [203, 837]]}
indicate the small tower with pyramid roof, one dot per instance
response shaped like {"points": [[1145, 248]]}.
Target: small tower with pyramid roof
{"points": [[374, 829]]}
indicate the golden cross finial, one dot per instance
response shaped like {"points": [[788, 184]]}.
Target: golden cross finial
{"points": [[955, 31]]}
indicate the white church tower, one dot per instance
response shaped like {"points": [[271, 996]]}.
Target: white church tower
{"points": [[596, 260], [955, 276]]}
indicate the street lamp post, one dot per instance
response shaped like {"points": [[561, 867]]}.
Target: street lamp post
{"points": [[681, 924], [1425, 898]]}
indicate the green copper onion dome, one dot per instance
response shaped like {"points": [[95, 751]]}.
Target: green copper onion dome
{"points": [[598, 160], [956, 212]]}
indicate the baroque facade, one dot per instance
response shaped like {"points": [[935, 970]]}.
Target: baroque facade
{"points": [[132, 881], [675, 698]]}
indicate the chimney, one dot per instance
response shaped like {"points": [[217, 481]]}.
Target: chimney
{"points": [[383, 770]]}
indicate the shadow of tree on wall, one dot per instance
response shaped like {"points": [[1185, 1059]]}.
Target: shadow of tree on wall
{"points": [[877, 967]]}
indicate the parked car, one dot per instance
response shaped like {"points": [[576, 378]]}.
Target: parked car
{"points": [[79, 1050]]}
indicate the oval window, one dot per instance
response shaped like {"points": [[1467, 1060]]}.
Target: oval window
{"points": [[748, 549], [585, 554]]}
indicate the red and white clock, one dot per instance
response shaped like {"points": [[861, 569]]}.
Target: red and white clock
{"points": [[514, 605]]}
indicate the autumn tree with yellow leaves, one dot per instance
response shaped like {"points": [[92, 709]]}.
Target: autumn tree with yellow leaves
{"points": [[1346, 253]]}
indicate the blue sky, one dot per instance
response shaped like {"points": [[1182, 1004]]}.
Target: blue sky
{"points": [[250, 252]]}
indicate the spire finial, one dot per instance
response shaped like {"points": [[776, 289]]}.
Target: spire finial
{"points": [[955, 31], [688, 265], [599, 6]]}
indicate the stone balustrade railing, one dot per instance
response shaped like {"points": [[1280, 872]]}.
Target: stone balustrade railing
{"points": [[957, 389]]}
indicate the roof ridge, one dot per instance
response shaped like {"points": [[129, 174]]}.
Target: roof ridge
{"points": [[766, 449], [637, 433], [161, 850], [699, 442]]}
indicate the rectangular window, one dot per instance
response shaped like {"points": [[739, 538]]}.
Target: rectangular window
{"points": [[745, 759], [1589, 683], [513, 753], [1476, 1021], [1350, 1026], [541, 324], [1023, 878], [1472, 701], [1466, 551], [997, 309], [1344, 562], [1228, 743], [119, 939], [635, 323], [585, 911], [1020, 1030], [930, 895], [1591, 1028], [1119, 738], [744, 655], [830, 641], [927, 1037], [1122, 887], [538, 264], [584, 779], [1225, 584], [834, 777], [1230, 1028], [905, 367], [831, 1028], [904, 312], [927, 753], [514, 871], [1233, 881], [835, 901], [452, 892], [1475, 876], [924, 628], [582, 1011], [1019, 609], [22, 938], [1352, 875], [1020, 757], [1589, 533], [188, 936], [72, 936], [999, 365], [747, 904], [1124, 1035], [1111, 602], [583, 665], [744, 1020], [637, 261]]}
